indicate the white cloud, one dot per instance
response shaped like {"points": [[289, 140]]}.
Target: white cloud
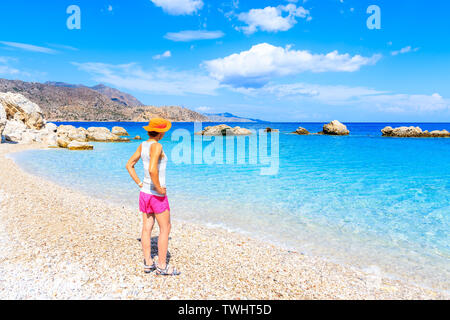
{"points": [[191, 35], [6, 68], [361, 97], [63, 47], [204, 109], [404, 50], [179, 7], [263, 62], [272, 19], [158, 81], [28, 47], [164, 55]]}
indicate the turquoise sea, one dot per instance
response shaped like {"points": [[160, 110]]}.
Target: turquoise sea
{"points": [[372, 202]]}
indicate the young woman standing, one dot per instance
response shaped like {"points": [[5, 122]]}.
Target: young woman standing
{"points": [[153, 201]]}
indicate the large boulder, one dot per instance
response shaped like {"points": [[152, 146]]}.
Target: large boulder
{"points": [[65, 129], [69, 132], [62, 142], [13, 130], [30, 136], [50, 127], [19, 108], [101, 134], [77, 145], [238, 131], [301, 131], [119, 131], [224, 130], [440, 134], [413, 132], [219, 130], [79, 134], [51, 140], [402, 132], [335, 128]]}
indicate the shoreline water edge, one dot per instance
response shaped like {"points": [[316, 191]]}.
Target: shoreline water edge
{"points": [[59, 243]]}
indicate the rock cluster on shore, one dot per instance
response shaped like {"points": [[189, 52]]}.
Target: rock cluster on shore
{"points": [[66, 134], [22, 121], [414, 132], [224, 130]]}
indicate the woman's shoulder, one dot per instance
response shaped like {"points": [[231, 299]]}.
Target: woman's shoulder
{"points": [[156, 146]]}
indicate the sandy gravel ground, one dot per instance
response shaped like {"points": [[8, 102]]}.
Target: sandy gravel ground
{"points": [[57, 243]]}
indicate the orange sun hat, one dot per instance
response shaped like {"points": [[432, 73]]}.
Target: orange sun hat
{"points": [[158, 125]]}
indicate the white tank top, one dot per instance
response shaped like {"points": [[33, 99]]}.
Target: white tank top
{"points": [[149, 187]]}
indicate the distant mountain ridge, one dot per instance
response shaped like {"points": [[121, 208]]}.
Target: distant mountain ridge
{"points": [[115, 95], [229, 117], [67, 102]]}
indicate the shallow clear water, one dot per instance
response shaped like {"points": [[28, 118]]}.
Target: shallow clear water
{"points": [[361, 199]]}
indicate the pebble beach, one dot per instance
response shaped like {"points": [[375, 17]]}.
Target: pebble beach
{"points": [[58, 243]]}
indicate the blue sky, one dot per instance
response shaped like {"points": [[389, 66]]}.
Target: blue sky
{"points": [[313, 60]]}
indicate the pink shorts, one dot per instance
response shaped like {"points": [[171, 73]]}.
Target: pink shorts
{"points": [[153, 204]]}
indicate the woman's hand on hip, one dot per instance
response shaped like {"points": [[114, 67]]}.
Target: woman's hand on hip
{"points": [[162, 191]]}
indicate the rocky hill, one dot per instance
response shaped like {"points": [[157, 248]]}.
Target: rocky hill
{"points": [[123, 98], [66, 102]]}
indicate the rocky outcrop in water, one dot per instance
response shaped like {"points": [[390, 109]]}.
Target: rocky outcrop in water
{"points": [[102, 134], [413, 132], [301, 131], [335, 128], [224, 130], [119, 131], [269, 130]]}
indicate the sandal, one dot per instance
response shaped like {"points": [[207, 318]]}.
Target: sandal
{"points": [[148, 269], [165, 271]]}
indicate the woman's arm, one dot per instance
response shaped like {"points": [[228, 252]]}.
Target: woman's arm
{"points": [[155, 155], [130, 166]]}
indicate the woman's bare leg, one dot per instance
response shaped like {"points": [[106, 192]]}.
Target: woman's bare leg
{"points": [[163, 240], [147, 227]]}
